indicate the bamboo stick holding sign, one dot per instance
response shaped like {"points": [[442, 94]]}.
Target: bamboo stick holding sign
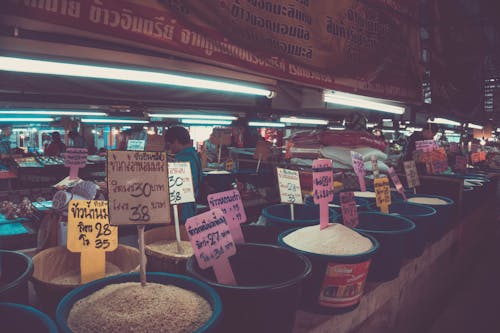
{"points": [[138, 192], [212, 244], [397, 183], [383, 194], [74, 159], [90, 234], [180, 184], [289, 188], [411, 172], [323, 188], [229, 202], [262, 152], [359, 168]]}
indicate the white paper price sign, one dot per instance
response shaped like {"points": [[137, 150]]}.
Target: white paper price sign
{"points": [[138, 187], [180, 183], [136, 144], [289, 186], [411, 174]]}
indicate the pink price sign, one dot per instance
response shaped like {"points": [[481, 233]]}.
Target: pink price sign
{"points": [[426, 145], [397, 182], [212, 243], [349, 209], [323, 188], [359, 168], [74, 159], [229, 202]]}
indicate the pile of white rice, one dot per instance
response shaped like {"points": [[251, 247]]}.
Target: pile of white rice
{"points": [[427, 201]]}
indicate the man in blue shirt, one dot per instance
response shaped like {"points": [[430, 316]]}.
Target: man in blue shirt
{"points": [[178, 142]]}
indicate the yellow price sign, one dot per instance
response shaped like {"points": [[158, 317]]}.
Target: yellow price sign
{"points": [[382, 193], [90, 233], [229, 165]]}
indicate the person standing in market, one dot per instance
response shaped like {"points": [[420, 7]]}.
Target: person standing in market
{"points": [[425, 134], [56, 146], [178, 142], [5, 133]]}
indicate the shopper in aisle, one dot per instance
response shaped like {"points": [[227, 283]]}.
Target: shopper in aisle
{"points": [[178, 142], [56, 146], [76, 140], [425, 134]]}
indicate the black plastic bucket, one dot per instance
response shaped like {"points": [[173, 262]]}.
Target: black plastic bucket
{"points": [[269, 281], [470, 199], [444, 213], [330, 288], [15, 271], [391, 231], [425, 223], [21, 318], [304, 216], [182, 281]]}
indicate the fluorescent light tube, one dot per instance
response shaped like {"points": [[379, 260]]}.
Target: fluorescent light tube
{"points": [[191, 116], [444, 121], [358, 101], [449, 132], [53, 112], [24, 120], [414, 129], [205, 122], [336, 128], [474, 126], [308, 121], [371, 125], [114, 121], [131, 75], [264, 124]]}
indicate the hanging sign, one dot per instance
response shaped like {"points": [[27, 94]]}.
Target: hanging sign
{"points": [[74, 159], [349, 209], [359, 168], [212, 243], [138, 187], [136, 145], [323, 188], [180, 183], [397, 182], [411, 172], [90, 233], [289, 186], [383, 194], [229, 202]]}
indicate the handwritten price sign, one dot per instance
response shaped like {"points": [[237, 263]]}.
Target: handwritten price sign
{"points": [[74, 159], [229, 202], [180, 183], [359, 168], [136, 145], [89, 232], [397, 182], [383, 194], [411, 174], [138, 187], [349, 209], [289, 186], [323, 188], [212, 243], [426, 145]]}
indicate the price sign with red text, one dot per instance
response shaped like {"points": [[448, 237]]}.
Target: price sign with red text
{"points": [[75, 159], [359, 168], [397, 182], [180, 183], [212, 243], [411, 172], [289, 186], [349, 209], [323, 188], [426, 145], [90, 233], [229, 202]]}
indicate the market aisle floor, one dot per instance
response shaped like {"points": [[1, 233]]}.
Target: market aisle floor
{"points": [[475, 305]]}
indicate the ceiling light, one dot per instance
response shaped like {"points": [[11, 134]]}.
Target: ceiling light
{"points": [[205, 122], [414, 129], [474, 126], [114, 121], [264, 124], [336, 128], [308, 121], [444, 121], [337, 97], [191, 116], [129, 75], [371, 125], [24, 120], [53, 112]]}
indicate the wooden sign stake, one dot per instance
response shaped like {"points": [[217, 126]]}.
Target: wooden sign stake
{"points": [[177, 231], [220, 152], [92, 265], [258, 163], [292, 213], [140, 230]]}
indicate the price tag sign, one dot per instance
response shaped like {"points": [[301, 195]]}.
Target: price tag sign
{"points": [[323, 188], [289, 186], [349, 209], [212, 243], [180, 183], [383, 194], [375, 170], [411, 174], [426, 145], [74, 159], [474, 148], [136, 145], [482, 155], [229, 165], [397, 182], [359, 168], [229, 202], [90, 233], [475, 158], [454, 148], [461, 163], [138, 188]]}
